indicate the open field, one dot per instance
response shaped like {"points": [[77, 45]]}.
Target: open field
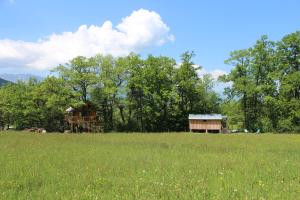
{"points": [[149, 166]]}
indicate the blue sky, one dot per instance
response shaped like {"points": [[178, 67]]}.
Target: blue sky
{"points": [[210, 28]]}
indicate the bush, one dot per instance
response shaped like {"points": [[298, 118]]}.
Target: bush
{"points": [[285, 125]]}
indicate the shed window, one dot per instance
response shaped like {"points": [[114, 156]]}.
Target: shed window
{"points": [[205, 120]]}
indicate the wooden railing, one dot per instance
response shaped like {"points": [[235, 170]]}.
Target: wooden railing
{"points": [[81, 119]]}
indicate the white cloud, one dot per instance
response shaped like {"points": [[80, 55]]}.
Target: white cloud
{"points": [[215, 74], [201, 71], [140, 30]]}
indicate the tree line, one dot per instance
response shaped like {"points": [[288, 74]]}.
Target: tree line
{"points": [[130, 93], [265, 90], [157, 94]]}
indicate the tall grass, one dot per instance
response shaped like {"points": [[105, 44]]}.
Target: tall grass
{"points": [[149, 166]]}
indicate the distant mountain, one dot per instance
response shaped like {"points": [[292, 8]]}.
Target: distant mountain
{"points": [[3, 82], [19, 77]]}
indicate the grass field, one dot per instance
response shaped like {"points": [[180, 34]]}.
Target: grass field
{"points": [[149, 166]]}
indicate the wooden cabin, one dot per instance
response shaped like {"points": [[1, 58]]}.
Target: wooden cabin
{"points": [[83, 119], [208, 123]]}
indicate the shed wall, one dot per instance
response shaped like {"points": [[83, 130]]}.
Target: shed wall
{"points": [[205, 124]]}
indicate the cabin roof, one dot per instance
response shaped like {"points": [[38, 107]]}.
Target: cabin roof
{"points": [[70, 109], [88, 106], [206, 116]]}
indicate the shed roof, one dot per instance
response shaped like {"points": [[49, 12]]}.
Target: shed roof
{"points": [[207, 116]]}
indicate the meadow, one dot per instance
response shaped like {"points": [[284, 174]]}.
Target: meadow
{"points": [[149, 166]]}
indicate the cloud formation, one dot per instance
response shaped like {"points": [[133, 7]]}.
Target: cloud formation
{"points": [[215, 74], [141, 29]]}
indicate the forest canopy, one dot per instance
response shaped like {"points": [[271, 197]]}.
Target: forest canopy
{"points": [[130, 93], [265, 91]]}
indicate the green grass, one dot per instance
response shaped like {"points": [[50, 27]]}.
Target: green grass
{"points": [[149, 166]]}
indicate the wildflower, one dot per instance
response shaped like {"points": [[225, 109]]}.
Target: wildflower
{"points": [[260, 183]]}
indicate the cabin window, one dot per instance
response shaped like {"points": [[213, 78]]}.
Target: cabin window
{"points": [[205, 120]]}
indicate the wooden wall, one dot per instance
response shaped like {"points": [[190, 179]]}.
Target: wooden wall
{"points": [[205, 124]]}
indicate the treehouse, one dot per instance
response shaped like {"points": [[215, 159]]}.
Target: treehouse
{"points": [[83, 119], [208, 123]]}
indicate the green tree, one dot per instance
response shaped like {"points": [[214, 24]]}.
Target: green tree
{"points": [[265, 80], [241, 85], [80, 74], [158, 79], [109, 89], [52, 97], [194, 95], [288, 55]]}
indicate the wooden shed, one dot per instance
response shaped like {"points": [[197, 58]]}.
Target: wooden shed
{"points": [[208, 123]]}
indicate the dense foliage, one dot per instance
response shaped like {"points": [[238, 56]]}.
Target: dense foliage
{"points": [[265, 91], [131, 94]]}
